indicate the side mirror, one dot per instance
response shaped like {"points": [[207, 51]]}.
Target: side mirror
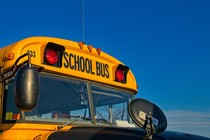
{"points": [[26, 90], [147, 116]]}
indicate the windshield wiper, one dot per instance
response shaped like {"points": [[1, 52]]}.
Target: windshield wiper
{"points": [[71, 116], [79, 117], [101, 120], [64, 125]]}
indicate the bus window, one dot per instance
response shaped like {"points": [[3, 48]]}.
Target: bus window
{"points": [[64, 99], [57, 95], [111, 104], [11, 112]]}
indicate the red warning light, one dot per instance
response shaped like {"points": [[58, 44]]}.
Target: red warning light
{"points": [[119, 75], [51, 57]]}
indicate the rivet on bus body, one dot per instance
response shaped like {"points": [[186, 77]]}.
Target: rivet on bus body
{"points": [[90, 47], [81, 44], [98, 51]]}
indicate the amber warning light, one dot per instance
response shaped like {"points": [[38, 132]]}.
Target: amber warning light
{"points": [[53, 54]]}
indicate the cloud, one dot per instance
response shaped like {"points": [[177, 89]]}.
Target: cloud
{"points": [[194, 122]]}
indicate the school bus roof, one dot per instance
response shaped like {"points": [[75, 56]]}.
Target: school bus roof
{"points": [[78, 60]]}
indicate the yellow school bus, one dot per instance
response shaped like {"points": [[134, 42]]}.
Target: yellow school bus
{"points": [[57, 89], [51, 84]]}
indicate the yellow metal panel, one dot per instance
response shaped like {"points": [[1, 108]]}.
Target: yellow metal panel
{"points": [[92, 66], [26, 131]]}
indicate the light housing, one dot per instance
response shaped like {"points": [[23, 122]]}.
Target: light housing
{"points": [[53, 54], [121, 73]]}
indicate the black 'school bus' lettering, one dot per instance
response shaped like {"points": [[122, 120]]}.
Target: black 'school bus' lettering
{"points": [[107, 70], [102, 69], [82, 64], [75, 62], [66, 63]]}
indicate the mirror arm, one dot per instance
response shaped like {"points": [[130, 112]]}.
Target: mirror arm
{"points": [[149, 133], [11, 71], [22, 56], [22, 115], [29, 60], [151, 123]]}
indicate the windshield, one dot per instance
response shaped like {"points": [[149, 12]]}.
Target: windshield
{"points": [[62, 100]]}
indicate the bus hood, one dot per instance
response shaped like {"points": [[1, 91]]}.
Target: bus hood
{"points": [[106, 133]]}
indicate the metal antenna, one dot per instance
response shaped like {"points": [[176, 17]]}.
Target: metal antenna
{"points": [[83, 20]]}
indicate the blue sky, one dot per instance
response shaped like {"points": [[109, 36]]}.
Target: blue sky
{"points": [[165, 43]]}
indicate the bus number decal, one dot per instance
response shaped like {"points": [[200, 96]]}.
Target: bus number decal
{"points": [[32, 53]]}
